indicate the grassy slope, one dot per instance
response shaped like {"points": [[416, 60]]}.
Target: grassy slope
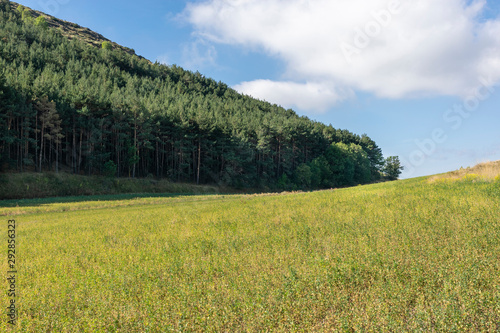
{"points": [[482, 171], [408, 255], [49, 184]]}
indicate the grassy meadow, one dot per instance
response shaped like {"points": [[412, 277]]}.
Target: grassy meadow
{"points": [[412, 255]]}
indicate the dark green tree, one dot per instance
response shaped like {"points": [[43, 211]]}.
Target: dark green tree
{"points": [[50, 130], [150, 119], [392, 167], [303, 176]]}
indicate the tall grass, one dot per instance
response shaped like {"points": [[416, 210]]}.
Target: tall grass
{"points": [[400, 256], [483, 171], [42, 185]]}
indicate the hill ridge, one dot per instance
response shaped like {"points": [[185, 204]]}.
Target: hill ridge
{"points": [[67, 104], [72, 30]]}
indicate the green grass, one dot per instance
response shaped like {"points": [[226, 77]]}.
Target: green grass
{"points": [[29, 185], [401, 256]]}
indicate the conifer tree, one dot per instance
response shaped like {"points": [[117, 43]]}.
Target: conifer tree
{"points": [[150, 119]]}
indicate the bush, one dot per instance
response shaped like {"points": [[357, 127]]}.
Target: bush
{"points": [[3, 179], [109, 169], [106, 45], [25, 14], [471, 177], [41, 22], [303, 176], [284, 183]]}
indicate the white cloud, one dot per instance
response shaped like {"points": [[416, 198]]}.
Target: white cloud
{"points": [[163, 59], [391, 48], [198, 54], [316, 97]]}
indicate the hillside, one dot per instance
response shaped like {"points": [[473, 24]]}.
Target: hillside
{"points": [[72, 30], [482, 171], [407, 256], [69, 104]]}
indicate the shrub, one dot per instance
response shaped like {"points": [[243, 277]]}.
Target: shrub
{"points": [[106, 45], [303, 176], [41, 22], [25, 14], [109, 169], [471, 177]]}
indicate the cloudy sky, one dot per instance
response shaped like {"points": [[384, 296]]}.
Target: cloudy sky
{"points": [[418, 76]]}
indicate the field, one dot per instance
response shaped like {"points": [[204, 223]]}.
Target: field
{"points": [[412, 255]]}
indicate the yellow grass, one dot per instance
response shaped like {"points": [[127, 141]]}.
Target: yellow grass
{"points": [[487, 171], [406, 256]]}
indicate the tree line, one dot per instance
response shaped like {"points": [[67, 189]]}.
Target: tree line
{"points": [[67, 105]]}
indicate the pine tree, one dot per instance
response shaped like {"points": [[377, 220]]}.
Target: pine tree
{"points": [[149, 119], [50, 129]]}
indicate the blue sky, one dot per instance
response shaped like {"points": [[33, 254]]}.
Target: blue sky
{"points": [[419, 77]]}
